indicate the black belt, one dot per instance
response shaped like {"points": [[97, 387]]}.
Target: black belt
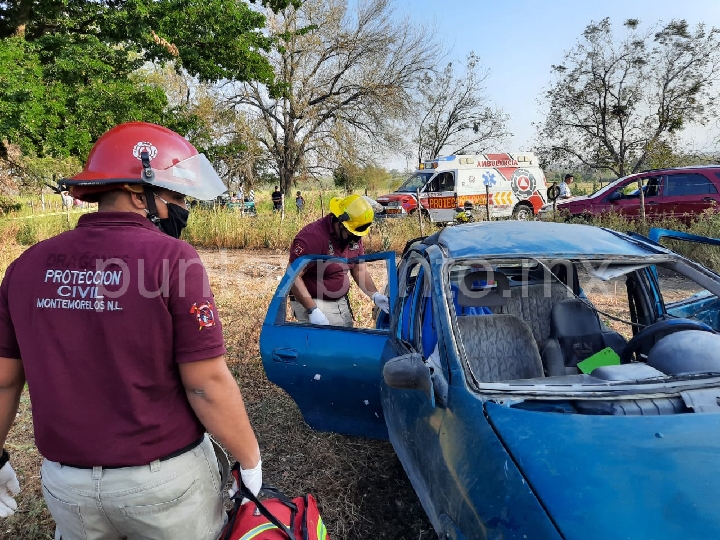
{"points": [[175, 454]]}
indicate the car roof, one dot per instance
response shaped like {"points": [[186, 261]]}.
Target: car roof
{"points": [[537, 239], [688, 168]]}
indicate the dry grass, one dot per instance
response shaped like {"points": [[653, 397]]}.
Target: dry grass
{"points": [[360, 485]]}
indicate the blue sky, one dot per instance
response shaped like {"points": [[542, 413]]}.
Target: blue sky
{"points": [[518, 40]]}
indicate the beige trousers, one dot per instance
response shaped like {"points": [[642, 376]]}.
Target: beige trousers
{"points": [[337, 311], [178, 498]]}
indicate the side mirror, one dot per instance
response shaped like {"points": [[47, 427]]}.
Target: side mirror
{"points": [[409, 372], [615, 196]]}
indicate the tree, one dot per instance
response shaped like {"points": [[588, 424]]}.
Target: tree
{"points": [[338, 74], [457, 116], [616, 101], [78, 64]]}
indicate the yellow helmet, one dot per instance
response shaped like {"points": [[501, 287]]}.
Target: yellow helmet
{"points": [[354, 212]]}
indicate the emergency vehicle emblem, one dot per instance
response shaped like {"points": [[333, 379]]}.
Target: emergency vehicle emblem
{"points": [[204, 314], [523, 183], [141, 147], [471, 179], [331, 249], [298, 250], [489, 179]]}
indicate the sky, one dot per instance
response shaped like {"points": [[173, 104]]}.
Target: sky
{"points": [[518, 40]]}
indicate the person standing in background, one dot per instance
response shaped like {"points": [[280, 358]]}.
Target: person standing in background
{"points": [[565, 192], [276, 199]]}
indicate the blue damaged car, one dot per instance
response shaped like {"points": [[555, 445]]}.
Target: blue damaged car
{"points": [[536, 380]]}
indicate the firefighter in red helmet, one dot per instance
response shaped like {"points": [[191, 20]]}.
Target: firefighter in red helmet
{"points": [[130, 374]]}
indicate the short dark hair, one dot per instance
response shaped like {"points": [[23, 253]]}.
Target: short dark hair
{"points": [[569, 176]]}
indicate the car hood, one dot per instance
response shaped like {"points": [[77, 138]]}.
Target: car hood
{"points": [[575, 199], [394, 197], [602, 477]]}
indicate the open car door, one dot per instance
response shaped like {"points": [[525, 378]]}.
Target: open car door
{"points": [[692, 303], [333, 373]]}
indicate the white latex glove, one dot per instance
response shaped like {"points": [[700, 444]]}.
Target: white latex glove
{"points": [[9, 486], [381, 301], [252, 478], [318, 317]]}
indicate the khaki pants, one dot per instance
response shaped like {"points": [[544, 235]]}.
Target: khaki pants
{"points": [[337, 311], [178, 498]]}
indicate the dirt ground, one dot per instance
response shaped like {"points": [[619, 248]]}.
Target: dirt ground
{"points": [[360, 485]]}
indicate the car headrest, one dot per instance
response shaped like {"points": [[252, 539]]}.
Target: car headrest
{"points": [[573, 317], [483, 288]]}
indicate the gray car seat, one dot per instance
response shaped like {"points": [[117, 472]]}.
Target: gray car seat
{"points": [[576, 333], [497, 347]]}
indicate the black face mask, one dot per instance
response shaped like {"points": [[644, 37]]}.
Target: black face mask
{"points": [[175, 222]]}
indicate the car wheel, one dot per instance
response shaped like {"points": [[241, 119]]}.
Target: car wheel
{"points": [[522, 212]]}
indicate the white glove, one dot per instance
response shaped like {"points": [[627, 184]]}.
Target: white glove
{"points": [[318, 317], [9, 486], [381, 301], [252, 478]]}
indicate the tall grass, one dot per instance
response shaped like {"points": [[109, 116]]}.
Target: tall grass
{"points": [[229, 229], [224, 228]]}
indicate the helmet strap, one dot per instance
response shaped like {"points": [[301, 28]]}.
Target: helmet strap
{"points": [[148, 175], [151, 207]]}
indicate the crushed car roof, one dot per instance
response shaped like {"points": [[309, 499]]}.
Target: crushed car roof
{"points": [[537, 239]]}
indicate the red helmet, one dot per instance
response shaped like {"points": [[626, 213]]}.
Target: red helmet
{"points": [[148, 154]]}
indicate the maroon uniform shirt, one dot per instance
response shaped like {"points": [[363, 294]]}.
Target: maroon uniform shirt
{"points": [[100, 317], [325, 281]]}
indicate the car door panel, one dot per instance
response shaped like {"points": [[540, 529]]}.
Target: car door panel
{"points": [[332, 373], [703, 306]]}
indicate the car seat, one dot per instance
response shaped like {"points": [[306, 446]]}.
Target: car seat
{"points": [[497, 347], [576, 333]]}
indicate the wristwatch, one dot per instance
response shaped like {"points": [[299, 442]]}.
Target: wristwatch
{"points": [[308, 311], [4, 458]]}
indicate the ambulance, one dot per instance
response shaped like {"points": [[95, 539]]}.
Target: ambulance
{"points": [[506, 185]]}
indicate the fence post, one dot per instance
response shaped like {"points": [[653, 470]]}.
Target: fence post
{"points": [[642, 200], [487, 201], [419, 211]]}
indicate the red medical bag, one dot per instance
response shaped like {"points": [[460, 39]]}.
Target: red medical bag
{"points": [[276, 518]]}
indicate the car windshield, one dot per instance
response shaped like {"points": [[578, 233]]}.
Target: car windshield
{"points": [[415, 182], [603, 190], [566, 323]]}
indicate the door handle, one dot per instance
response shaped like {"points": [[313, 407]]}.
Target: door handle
{"points": [[285, 355], [651, 203], [708, 199]]}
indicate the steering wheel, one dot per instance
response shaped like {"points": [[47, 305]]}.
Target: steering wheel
{"points": [[661, 328]]}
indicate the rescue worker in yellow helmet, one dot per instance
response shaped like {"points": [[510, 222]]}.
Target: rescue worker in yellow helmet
{"points": [[320, 296]]}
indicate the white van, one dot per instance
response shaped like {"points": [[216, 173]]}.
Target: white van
{"points": [[508, 185]]}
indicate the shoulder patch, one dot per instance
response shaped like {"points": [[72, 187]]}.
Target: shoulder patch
{"points": [[204, 314]]}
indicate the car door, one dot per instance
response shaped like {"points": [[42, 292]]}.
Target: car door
{"points": [[332, 373], [413, 418], [696, 302], [628, 204], [688, 194], [441, 197]]}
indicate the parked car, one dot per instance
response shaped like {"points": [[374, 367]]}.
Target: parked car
{"points": [[681, 192], [536, 380]]}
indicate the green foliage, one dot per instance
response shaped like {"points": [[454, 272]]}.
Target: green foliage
{"points": [[351, 177], [68, 70], [9, 204]]}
